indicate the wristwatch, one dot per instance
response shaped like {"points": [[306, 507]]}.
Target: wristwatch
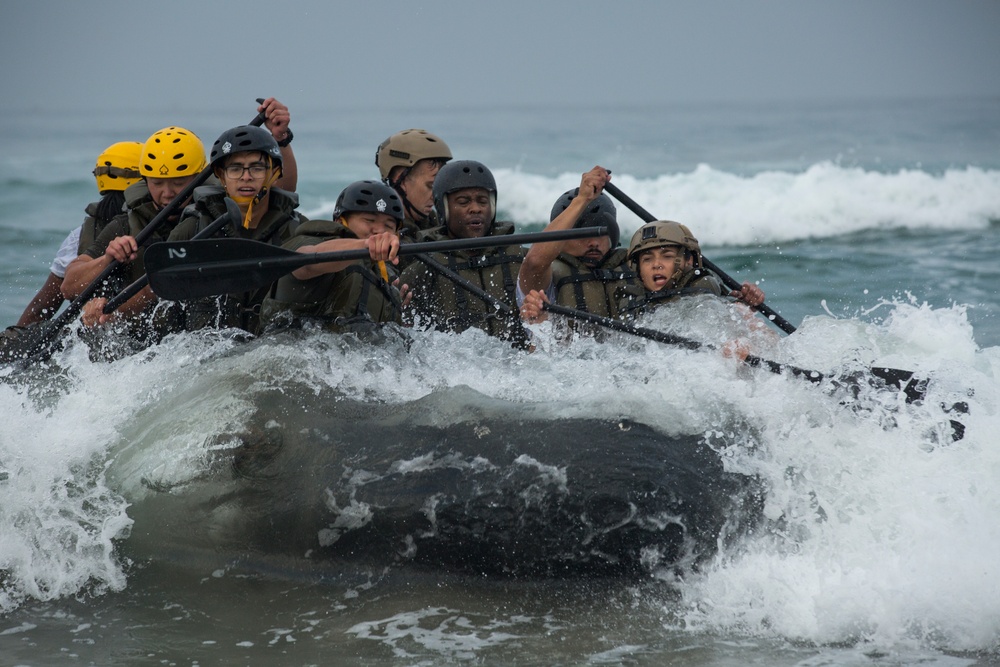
{"points": [[288, 138]]}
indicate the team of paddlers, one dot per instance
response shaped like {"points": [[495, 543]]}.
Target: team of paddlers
{"points": [[423, 195]]}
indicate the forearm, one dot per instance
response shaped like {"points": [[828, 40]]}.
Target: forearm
{"points": [[315, 270], [289, 170], [536, 269], [44, 304], [81, 272]]}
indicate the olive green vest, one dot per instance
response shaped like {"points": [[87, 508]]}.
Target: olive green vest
{"points": [[592, 289], [636, 299], [410, 229], [441, 303], [89, 230], [277, 226], [355, 298], [409, 232]]}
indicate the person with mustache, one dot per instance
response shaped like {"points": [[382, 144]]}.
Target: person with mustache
{"points": [[584, 274], [666, 257], [465, 196], [408, 162]]}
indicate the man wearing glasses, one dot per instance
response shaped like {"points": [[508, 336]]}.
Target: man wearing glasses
{"points": [[247, 160]]}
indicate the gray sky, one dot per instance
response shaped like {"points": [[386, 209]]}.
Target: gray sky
{"points": [[424, 53]]}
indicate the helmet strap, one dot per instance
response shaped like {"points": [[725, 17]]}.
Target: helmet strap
{"points": [[397, 185]]}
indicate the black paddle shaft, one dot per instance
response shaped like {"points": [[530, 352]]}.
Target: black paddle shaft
{"points": [[230, 217], [679, 341], [730, 282], [914, 388], [194, 269]]}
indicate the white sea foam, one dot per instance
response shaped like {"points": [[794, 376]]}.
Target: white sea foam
{"points": [[877, 528], [768, 207], [884, 537], [772, 206], [445, 632]]}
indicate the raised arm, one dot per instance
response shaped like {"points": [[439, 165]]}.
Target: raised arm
{"points": [[276, 119], [536, 269]]}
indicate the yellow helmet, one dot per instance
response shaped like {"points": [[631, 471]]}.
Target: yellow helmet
{"points": [[118, 166], [172, 152]]}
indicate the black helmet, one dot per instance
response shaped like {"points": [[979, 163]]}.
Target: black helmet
{"points": [[599, 213], [460, 175], [244, 139], [369, 197]]}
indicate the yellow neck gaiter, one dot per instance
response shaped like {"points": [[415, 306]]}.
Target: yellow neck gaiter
{"points": [[250, 202]]}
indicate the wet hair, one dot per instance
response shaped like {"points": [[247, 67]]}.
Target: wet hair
{"points": [[110, 205]]}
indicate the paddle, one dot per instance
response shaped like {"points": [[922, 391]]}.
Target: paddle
{"points": [[193, 269], [233, 215], [671, 339], [40, 342], [914, 389], [729, 281]]}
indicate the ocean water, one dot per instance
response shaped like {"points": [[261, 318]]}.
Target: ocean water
{"points": [[126, 537]]}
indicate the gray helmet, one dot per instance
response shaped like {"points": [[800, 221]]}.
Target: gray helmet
{"points": [[244, 139], [599, 213], [460, 175], [369, 197]]}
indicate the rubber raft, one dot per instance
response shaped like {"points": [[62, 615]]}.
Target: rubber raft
{"points": [[476, 490]]}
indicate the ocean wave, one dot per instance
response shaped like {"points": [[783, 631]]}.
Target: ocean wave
{"points": [[95, 440], [725, 208], [825, 200]]}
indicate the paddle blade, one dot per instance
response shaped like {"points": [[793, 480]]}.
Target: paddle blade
{"points": [[180, 270]]}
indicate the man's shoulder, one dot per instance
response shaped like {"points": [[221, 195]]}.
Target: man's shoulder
{"points": [[328, 228], [186, 228], [137, 194], [618, 257], [703, 280]]}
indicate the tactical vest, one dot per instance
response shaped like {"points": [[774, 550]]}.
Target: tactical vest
{"points": [[88, 231], [277, 226], [636, 299], [592, 289], [410, 229], [356, 298], [442, 303]]}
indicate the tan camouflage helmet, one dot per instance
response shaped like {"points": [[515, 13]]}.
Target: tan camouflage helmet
{"points": [[406, 148], [661, 233]]}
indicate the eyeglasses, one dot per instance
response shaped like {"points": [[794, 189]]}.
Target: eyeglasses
{"points": [[236, 170]]}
